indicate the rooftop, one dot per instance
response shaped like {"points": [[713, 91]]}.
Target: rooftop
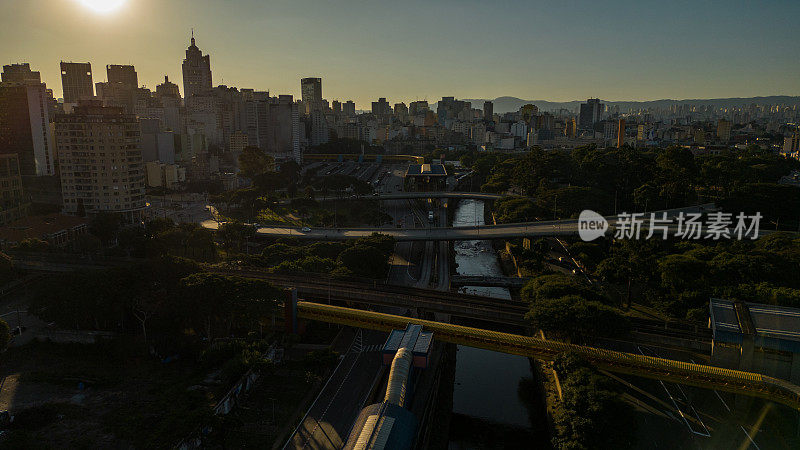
{"points": [[39, 227], [426, 170], [776, 327]]}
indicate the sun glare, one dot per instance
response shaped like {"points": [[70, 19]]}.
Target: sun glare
{"points": [[103, 6]]}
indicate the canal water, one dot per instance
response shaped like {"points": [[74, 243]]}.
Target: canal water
{"points": [[487, 384]]}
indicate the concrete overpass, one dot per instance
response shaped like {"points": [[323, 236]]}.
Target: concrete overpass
{"points": [[477, 280], [703, 376], [410, 196], [566, 227]]}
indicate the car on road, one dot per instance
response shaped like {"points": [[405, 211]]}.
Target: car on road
{"points": [[305, 229]]}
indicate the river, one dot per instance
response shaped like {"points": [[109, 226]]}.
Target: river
{"points": [[487, 384]]}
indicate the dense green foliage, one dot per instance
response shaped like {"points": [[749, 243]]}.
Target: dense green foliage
{"points": [[628, 179], [253, 162], [566, 307], [167, 297], [366, 257], [592, 414]]}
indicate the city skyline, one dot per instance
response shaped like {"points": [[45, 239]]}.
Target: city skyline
{"points": [[377, 55]]}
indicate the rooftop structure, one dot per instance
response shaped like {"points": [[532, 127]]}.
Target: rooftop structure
{"points": [[430, 177], [757, 337]]}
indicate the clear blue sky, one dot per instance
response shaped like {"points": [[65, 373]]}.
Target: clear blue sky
{"points": [[407, 50]]}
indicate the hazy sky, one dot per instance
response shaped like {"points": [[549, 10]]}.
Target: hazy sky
{"points": [[407, 50]]}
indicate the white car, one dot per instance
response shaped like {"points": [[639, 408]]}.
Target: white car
{"points": [[305, 229]]}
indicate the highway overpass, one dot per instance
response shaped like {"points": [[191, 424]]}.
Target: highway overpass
{"points": [[410, 196], [566, 227]]}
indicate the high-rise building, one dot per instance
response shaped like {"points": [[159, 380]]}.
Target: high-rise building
{"points": [[381, 107], [13, 204], [168, 89], [196, 71], [591, 112], [337, 107], [100, 159], [724, 130], [401, 111], [791, 144], [621, 133], [418, 108], [319, 128], [25, 126], [311, 94], [76, 82], [349, 108], [488, 111], [126, 75], [20, 74]]}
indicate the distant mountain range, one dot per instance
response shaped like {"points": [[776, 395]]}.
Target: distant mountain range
{"points": [[509, 104]]}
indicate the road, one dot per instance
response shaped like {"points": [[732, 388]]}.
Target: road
{"points": [[327, 423], [383, 196], [503, 231]]}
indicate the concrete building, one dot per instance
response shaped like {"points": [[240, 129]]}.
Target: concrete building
{"points": [[20, 74], [349, 108], [76, 82], [620, 133], [488, 111], [756, 338], [311, 94], [319, 128], [591, 112], [168, 176], [791, 145], [100, 158], [25, 126], [381, 108], [425, 177], [196, 71], [724, 130], [123, 74], [168, 89], [418, 108], [13, 204]]}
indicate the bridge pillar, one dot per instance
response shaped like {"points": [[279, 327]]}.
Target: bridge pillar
{"points": [[290, 310]]}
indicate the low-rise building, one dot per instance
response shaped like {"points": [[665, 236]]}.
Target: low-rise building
{"points": [[756, 338]]}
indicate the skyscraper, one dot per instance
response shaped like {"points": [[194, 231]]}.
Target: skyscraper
{"points": [[25, 121], [724, 130], [311, 93], [381, 107], [621, 133], [126, 75], [168, 89], [76, 82], [349, 108], [20, 73], [196, 72], [100, 159], [488, 111], [591, 112]]}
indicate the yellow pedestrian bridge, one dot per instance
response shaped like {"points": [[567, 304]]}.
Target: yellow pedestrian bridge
{"points": [[699, 375]]}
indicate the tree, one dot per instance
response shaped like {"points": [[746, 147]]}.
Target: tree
{"points": [[593, 413], [573, 317], [253, 162], [105, 225], [5, 334]]}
